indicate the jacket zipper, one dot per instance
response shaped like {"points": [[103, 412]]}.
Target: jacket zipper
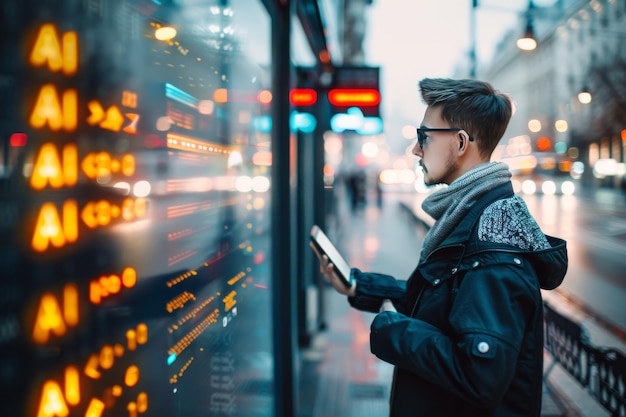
{"points": [[419, 295], [395, 368], [417, 299]]}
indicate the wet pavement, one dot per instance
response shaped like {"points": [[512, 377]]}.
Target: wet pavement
{"points": [[339, 375]]}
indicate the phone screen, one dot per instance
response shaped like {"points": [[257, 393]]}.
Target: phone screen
{"points": [[324, 244]]}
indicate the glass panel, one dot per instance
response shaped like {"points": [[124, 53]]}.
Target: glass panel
{"points": [[134, 208]]}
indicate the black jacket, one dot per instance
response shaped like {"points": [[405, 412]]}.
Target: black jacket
{"points": [[467, 339]]}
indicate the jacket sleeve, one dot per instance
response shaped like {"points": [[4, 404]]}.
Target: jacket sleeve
{"points": [[373, 288], [477, 359]]}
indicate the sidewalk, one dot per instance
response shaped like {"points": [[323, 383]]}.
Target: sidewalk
{"points": [[340, 377]]}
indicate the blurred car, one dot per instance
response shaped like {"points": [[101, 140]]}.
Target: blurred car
{"points": [[544, 173]]}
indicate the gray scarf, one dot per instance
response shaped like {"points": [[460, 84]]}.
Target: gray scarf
{"points": [[449, 205]]}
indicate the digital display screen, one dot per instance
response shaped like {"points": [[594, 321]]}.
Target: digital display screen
{"points": [[134, 210]]}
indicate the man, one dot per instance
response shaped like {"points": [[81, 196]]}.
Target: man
{"points": [[465, 332]]}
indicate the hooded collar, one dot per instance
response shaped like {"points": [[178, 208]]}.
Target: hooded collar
{"points": [[550, 264]]}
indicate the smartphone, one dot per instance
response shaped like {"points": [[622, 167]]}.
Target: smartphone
{"points": [[325, 246]]}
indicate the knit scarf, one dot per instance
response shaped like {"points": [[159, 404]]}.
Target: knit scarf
{"points": [[449, 205]]}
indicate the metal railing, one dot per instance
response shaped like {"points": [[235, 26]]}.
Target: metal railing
{"points": [[601, 371]]}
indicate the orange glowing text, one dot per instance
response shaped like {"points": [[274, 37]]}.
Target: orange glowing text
{"points": [[53, 169], [112, 284], [51, 230], [109, 119], [102, 213], [96, 164], [56, 112], [57, 53], [53, 401], [53, 317]]}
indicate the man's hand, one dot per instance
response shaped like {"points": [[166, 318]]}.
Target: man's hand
{"points": [[327, 269], [387, 305]]}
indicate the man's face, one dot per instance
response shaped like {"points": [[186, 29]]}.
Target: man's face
{"points": [[439, 156]]}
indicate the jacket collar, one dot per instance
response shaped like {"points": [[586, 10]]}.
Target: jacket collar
{"points": [[550, 264], [464, 229]]}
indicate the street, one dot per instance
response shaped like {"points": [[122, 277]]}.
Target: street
{"points": [[594, 225]]}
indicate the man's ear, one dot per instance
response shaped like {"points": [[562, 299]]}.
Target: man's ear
{"points": [[463, 139]]}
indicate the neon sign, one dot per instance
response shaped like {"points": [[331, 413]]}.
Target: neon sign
{"points": [[57, 398], [60, 169], [346, 97], [54, 229], [54, 317], [54, 170], [303, 121], [56, 112], [108, 285], [58, 54], [354, 120], [303, 96]]}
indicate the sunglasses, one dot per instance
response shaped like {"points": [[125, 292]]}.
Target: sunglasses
{"points": [[422, 133]]}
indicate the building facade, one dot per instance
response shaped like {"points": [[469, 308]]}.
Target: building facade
{"points": [[580, 48]]}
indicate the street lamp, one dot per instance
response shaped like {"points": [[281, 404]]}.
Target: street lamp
{"points": [[584, 96], [527, 42]]}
